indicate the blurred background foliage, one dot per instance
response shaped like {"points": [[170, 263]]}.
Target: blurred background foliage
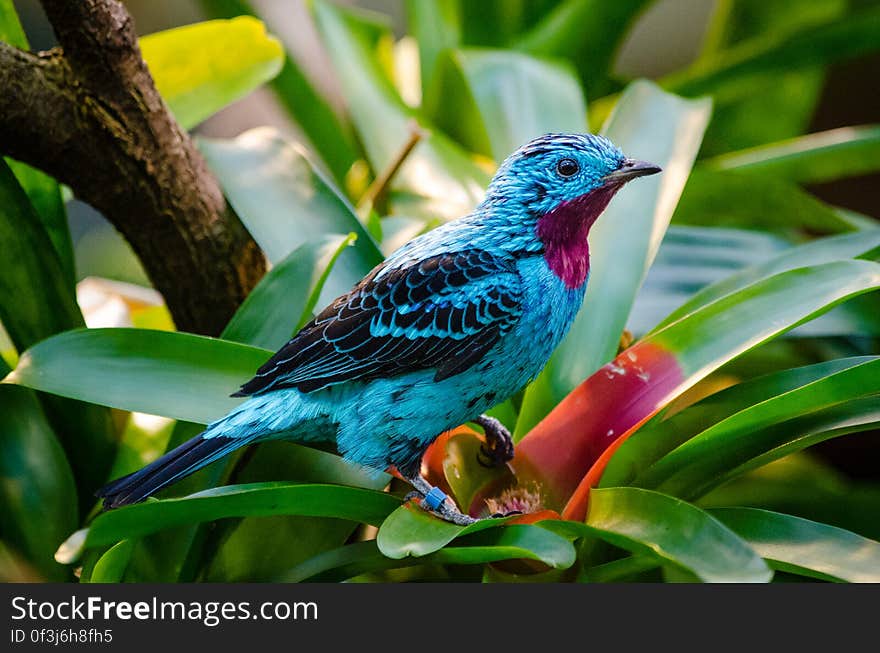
{"points": [[350, 128]]}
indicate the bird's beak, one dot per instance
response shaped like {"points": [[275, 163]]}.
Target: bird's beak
{"points": [[630, 169]]}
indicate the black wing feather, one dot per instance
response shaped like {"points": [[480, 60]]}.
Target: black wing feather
{"points": [[444, 312]]}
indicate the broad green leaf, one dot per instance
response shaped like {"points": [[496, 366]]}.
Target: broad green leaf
{"points": [[284, 201], [588, 32], [802, 484], [11, 31], [259, 548], [676, 532], [445, 180], [691, 258], [177, 375], [329, 134], [283, 300], [762, 310], [37, 301], [651, 125], [733, 199], [45, 196], [805, 547], [37, 489], [411, 531], [256, 500], [199, 69], [493, 101], [110, 567], [851, 36], [648, 375], [823, 250], [500, 22], [436, 27], [659, 436], [514, 542], [838, 403], [814, 158], [772, 106]]}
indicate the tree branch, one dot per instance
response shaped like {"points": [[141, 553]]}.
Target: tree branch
{"points": [[89, 114]]}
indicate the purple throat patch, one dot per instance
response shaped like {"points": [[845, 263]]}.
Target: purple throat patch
{"points": [[564, 231]]}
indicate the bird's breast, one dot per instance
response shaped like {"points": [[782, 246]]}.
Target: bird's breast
{"points": [[549, 308]]}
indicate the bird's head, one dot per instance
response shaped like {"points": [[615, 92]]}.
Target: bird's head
{"points": [[555, 186]]}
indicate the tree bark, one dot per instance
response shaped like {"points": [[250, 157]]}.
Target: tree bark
{"points": [[89, 115]]}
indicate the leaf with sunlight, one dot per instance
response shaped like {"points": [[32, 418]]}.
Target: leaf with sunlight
{"points": [[201, 68]]}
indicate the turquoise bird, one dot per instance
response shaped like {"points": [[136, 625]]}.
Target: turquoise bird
{"points": [[452, 323]]}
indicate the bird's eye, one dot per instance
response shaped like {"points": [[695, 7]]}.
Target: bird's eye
{"points": [[567, 167]]}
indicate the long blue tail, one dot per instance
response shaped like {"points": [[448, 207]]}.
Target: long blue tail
{"points": [[189, 457]]}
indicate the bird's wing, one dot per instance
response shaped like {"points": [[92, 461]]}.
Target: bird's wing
{"points": [[444, 313]]}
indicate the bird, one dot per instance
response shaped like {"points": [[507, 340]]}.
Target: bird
{"points": [[452, 323]]}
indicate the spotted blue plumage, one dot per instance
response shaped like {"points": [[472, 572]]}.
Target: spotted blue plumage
{"points": [[452, 323]]}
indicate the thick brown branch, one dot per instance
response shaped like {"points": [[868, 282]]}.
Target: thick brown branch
{"points": [[91, 117]]}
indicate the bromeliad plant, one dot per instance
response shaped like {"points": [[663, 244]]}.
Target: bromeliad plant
{"points": [[679, 456]]}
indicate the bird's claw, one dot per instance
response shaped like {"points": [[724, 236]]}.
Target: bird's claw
{"points": [[501, 515], [498, 448]]}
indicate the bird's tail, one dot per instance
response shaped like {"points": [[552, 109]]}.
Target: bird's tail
{"points": [[186, 459], [260, 418]]}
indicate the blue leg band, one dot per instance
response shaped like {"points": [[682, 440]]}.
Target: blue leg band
{"points": [[434, 498]]}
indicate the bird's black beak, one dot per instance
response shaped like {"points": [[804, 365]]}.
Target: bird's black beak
{"points": [[630, 169]]}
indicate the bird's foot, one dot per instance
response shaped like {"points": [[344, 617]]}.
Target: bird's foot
{"points": [[498, 448], [434, 500]]}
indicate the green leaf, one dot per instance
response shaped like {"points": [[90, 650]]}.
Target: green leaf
{"points": [[284, 299], [814, 158], [691, 258], [11, 31], [802, 484], [733, 199], [493, 101], [514, 542], [823, 250], [805, 547], [676, 532], [772, 106], [847, 37], [842, 402], [37, 489], [36, 299], [199, 69], [44, 194], [259, 548], [647, 124], [177, 375], [435, 26], [255, 500], [500, 22], [588, 32], [110, 567], [411, 531], [329, 135], [661, 435], [284, 201], [445, 180], [765, 309]]}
